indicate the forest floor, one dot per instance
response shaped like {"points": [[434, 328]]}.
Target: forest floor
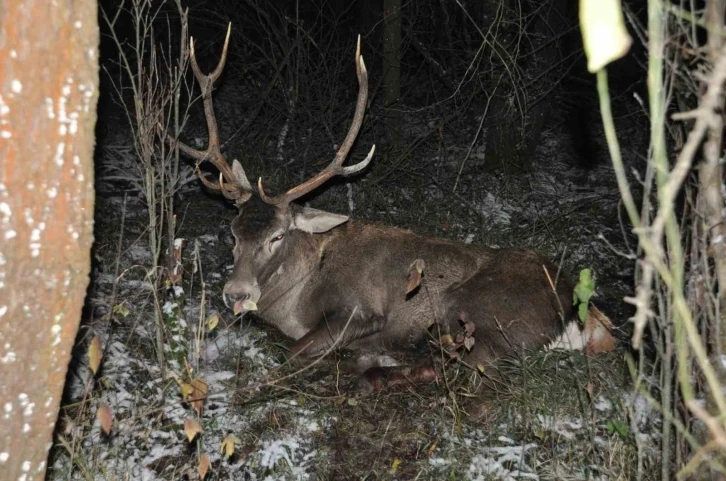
{"points": [[561, 415]]}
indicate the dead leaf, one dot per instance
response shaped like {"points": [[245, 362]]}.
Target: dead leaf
{"points": [[212, 321], [105, 417], [192, 428], [95, 354], [468, 343], [244, 306], [446, 340], [415, 274], [228, 443], [432, 448], [481, 368], [249, 305], [198, 395], [394, 466], [203, 467], [186, 389], [469, 328], [589, 388], [598, 330]]}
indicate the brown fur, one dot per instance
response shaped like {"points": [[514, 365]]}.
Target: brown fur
{"points": [[363, 267]]}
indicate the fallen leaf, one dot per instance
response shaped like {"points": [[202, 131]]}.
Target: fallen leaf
{"points": [[105, 417], [469, 343], [446, 340], [469, 327], [198, 395], [589, 388], [481, 368], [121, 310], [249, 305], [432, 448], [95, 354], [415, 274], [186, 389], [244, 306], [203, 467], [212, 321], [227, 446], [394, 466], [192, 428]]}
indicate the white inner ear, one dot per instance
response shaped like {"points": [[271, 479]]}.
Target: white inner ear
{"points": [[316, 221]]}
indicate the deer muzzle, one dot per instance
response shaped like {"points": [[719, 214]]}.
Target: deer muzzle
{"points": [[241, 296]]}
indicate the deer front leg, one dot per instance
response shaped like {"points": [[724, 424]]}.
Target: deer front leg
{"points": [[336, 330]]}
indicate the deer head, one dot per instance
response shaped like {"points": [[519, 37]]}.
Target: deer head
{"points": [[267, 230]]}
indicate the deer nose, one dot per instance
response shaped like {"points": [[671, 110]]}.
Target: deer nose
{"points": [[231, 297]]}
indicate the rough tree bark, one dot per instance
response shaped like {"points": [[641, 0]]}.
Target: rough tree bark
{"points": [[48, 92]]}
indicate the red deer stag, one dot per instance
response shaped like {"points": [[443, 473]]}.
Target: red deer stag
{"points": [[327, 281]]}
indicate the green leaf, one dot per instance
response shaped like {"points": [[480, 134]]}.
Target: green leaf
{"points": [[614, 426], [582, 311], [604, 34], [583, 291]]}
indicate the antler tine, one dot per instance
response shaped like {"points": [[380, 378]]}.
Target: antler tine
{"points": [[232, 189], [223, 59], [336, 166]]}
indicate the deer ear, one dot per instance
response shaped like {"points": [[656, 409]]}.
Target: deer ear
{"points": [[316, 221]]}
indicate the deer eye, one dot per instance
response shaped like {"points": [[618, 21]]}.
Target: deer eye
{"points": [[277, 238]]}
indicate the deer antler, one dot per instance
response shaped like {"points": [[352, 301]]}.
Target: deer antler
{"points": [[237, 187], [336, 166]]}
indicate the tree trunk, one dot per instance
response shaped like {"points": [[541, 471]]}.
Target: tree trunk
{"points": [[392, 68], [48, 93]]}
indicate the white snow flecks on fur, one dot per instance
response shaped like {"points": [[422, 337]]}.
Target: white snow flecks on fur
{"points": [[572, 339]]}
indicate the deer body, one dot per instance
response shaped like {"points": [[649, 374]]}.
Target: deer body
{"points": [[322, 278], [329, 283]]}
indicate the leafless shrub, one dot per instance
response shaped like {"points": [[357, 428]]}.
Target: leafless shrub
{"points": [[681, 261], [150, 77]]}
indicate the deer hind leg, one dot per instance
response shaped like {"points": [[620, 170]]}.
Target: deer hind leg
{"points": [[376, 378]]}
